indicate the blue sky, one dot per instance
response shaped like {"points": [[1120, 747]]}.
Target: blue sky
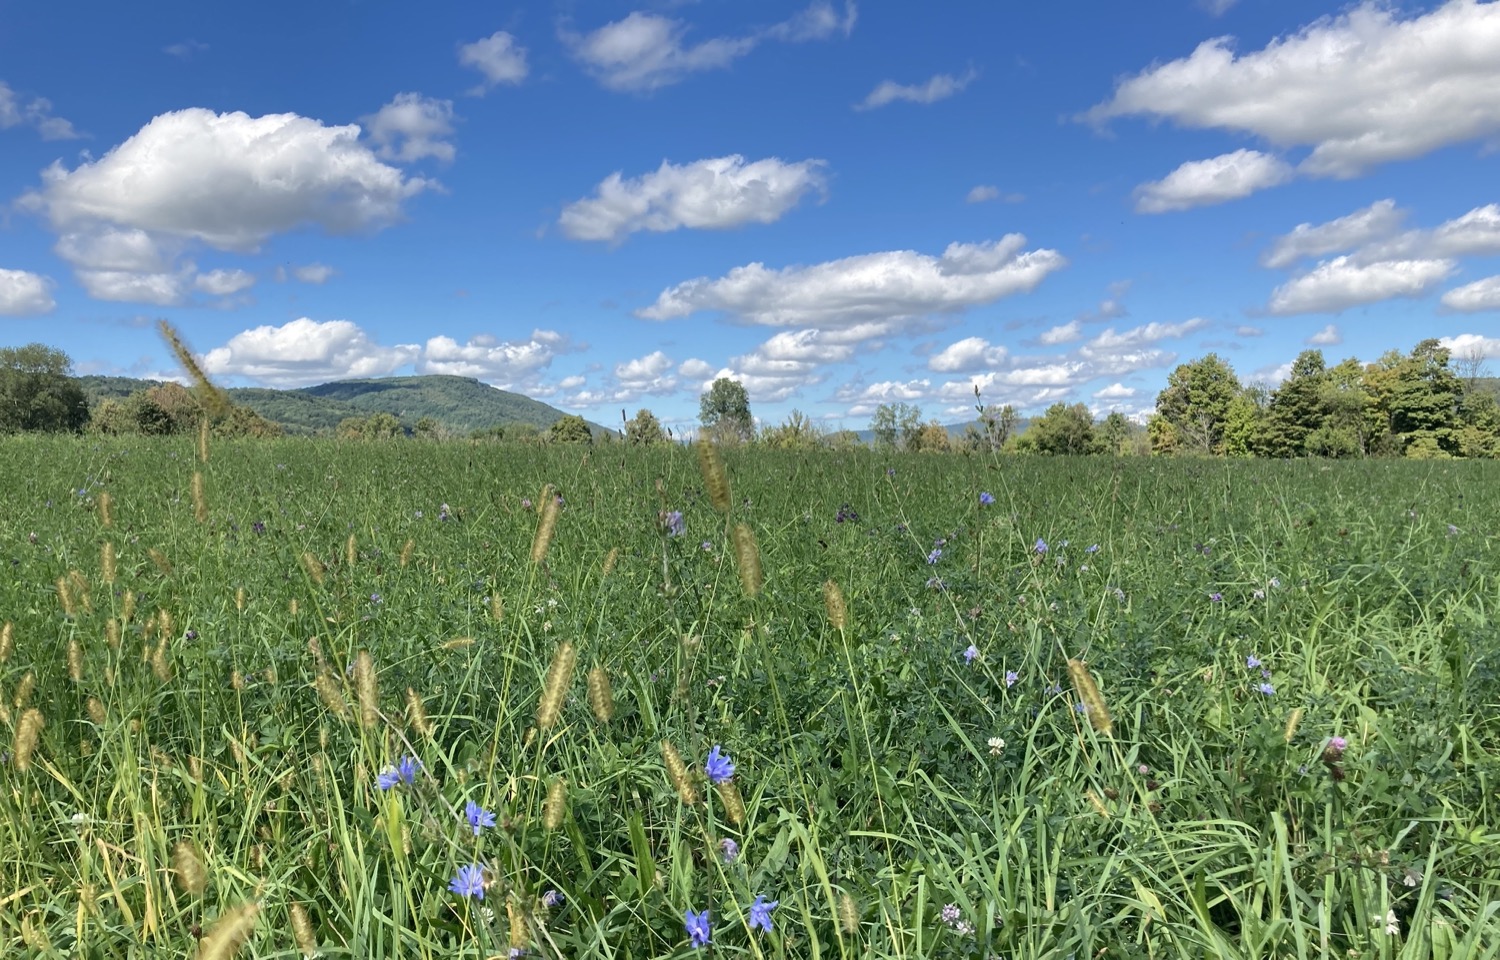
{"points": [[607, 205]]}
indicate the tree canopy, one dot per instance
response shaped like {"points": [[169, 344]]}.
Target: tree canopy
{"points": [[724, 410], [37, 391]]}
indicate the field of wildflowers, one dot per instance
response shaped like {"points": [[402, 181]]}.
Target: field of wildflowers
{"points": [[304, 698]]}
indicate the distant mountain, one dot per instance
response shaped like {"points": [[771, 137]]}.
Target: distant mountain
{"points": [[459, 404]]}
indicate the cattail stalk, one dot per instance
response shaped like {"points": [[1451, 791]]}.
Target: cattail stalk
{"points": [[366, 689], [546, 525], [556, 805], [833, 604], [747, 559], [559, 678], [200, 499], [677, 772], [1088, 693], [601, 695], [28, 732], [187, 867], [229, 932], [714, 477]]}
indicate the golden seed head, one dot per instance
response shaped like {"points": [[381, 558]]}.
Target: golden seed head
{"points": [[112, 633], [7, 641], [106, 513], [1293, 721], [236, 680], [497, 607], [555, 690], [166, 625], [302, 930], [556, 805], [546, 524], [127, 606], [65, 598], [161, 561], [95, 708], [75, 661], [230, 931], [351, 551], [734, 804], [416, 714], [406, 549], [159, 663], [610, 559], [203, 440], [457, 643], [24, 691], [80, 585], [833, 603], [313, 566], [291, 606], [714, 477], [239, 599], [677, 772], [1096, 803], [212, 399], [28, 732], [1092, 699], [200, 499], [315, 647], [187, 866], [848, 914], [330, 694], [107, 562], [365, 687], [601, 695], [518, 938], [747, 558]]}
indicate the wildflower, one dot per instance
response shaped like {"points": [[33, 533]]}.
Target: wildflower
{"points": [[936, 583], [1333, 752], [1080, 707], [376, 598], [846, 513], [1274, 582], [730, 849], [1011, 677], [468, 882], [950, 914], [963, 927], [1041, 546], [443, 512], [403, 772], [553, 898], [719, 767], [970, 653], [996, 746], [1251, 662], [676, 526], [525, 503], [986, 498], [935, 555], [1452, 530], [1258, 594], [1216, 597], [1143, 769], [1092, 549], [1411, 877], [1392, 925], [760, 913], [707, 546], [258, 527], [478, 816], [1266, 689], [697, 927]]}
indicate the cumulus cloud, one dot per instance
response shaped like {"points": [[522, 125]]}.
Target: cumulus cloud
{"points": [[1337, 284], [1199, 183], [1111, 343], [1473, 297], [314, 273], [1115, 391], [304, 352], [127, 250], [889, 287], [412, 127], [1380, 219], [1329, 336], [647, 51], [940, 87], [1248, 331], [223, 283], [162, 289], [695, 369], [503, 363], [716, 193], [970, 353], [34, 112], [1363, 88], [1476, 233], [648, 374], [24, 294], [1217, 8], [1065, 333], [1472, 345], [498, 57]]}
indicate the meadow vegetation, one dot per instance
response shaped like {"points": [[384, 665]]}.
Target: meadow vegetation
{"points": [[289, 698]]}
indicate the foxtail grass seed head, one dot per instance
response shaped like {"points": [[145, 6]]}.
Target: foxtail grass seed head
{"points": [[24, 690], [330, 694], [546, 525], [1097, 803], [313, 566], [65, 598], [80, 585], [1088, 693], [416, 714], [555, 690], [166, 625], [406, 549], [518, 938], [214, 400], [229, 932], [610, 559], [7, 641], [601, 695], [747, 559], [239, 599], [733, 803], [160, 559], [112, 633], [127, 606], [160, 665], [200, 499], [677, 772], [366, 689], [833, 603], [302, 931], [75, 661], [497, 608], [107, 562], [714, 477], [187, 868], [457, 643], [28, 733], [556, 805], [291, 606], [351, 551], [848, 914], [203, 440], [106, 508], [1292, 723]]}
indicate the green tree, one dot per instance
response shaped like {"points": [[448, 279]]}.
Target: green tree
{"points": [[571, 428], [930, 437], [1062, 429], [894, 424], [37, 391], [1196, 403], [796, 432], [724, 411], [1416, 399], [1112, 435], [382, 426], [644, 429], [1297, 408]]}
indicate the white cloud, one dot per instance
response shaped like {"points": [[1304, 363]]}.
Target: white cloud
{"points": [[1199, 183], [648, 374], [1115, 391], [1476, 233], [646, 51], [223, 283], [109, 248], [1380, 219], [24, 294], [984, 193], [1066, 333], [1329, 336], [314, 273], [1112, 344], [1472, 297], [1340, 283], [161, 289], [940, 87], [228, 180], [304, 352], [411, 127], [35, 112], [899, 285], [1249, 331], [498, 57], [716, 193], [970, 353], [1217, 8], [695, 369], [1362, 88], [503, 363], [1472, 344], [186, 49]]}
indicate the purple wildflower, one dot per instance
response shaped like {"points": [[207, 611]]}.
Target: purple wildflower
{"points": [[468, 882], [760, 913], [718, 767], [478, 817], [698, 928], [986, 498], [1041, 546]]}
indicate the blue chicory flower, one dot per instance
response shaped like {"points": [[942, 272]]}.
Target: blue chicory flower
{"points": [[1011, 677], [730, 848], [986, 498], [971, 653], [718, 767], [404, 771], [760, 913], [478, 817], [676, 526], [1266, 689], [697, 927], [1041, 545], [935, 555], [468, 882], [1251, 662]]}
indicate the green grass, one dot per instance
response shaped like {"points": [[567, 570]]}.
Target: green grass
{"points": [[1196, 828]]}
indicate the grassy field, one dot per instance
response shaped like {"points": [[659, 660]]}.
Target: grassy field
{"points": [[343, 700]]}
